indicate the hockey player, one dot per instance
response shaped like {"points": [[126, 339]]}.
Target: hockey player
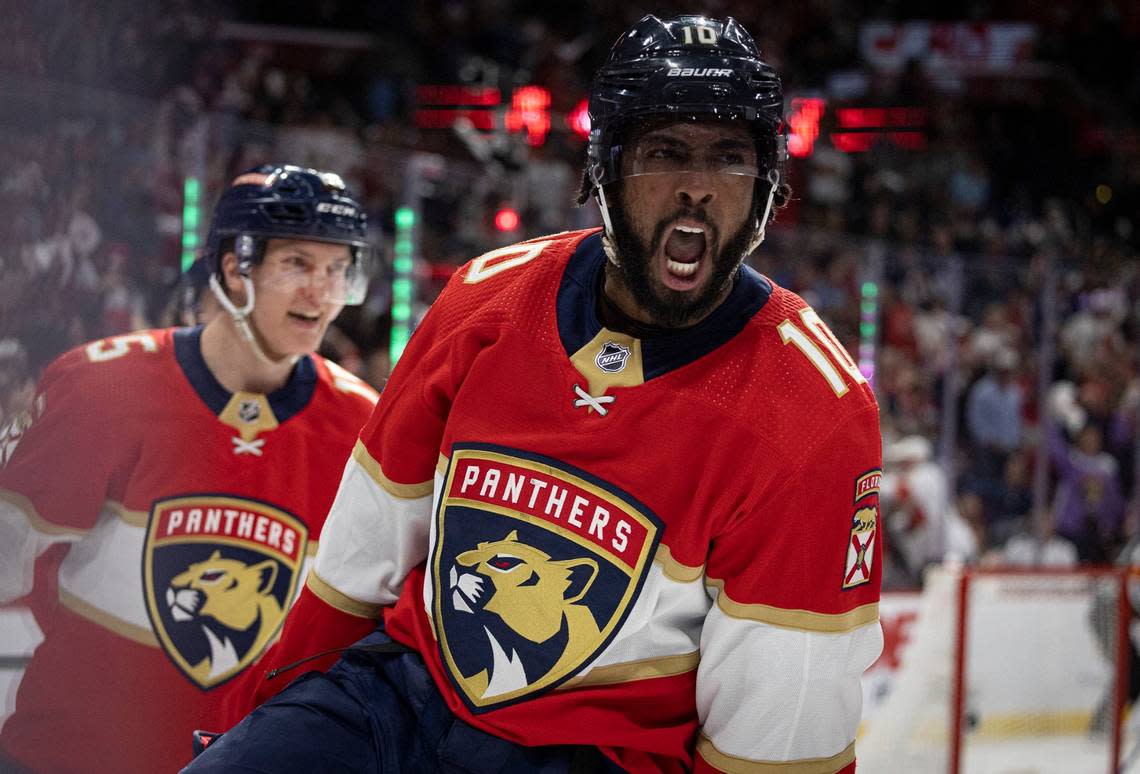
{"points": [[184, 475], [617, 506]]}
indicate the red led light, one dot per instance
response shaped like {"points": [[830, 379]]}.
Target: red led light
{"points": [[578, 119], [854, 142], [507, 219], [457, 95], [803, 125], [530, 112]]}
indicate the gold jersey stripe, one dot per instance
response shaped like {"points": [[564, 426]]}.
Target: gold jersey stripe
{"points": [[140, 634], [803, 620], [311, 548], [664, 666], [441, 465], [733, 765], [403, 491], [39, 523], [674, 570], [134, 518], [341, 601]]}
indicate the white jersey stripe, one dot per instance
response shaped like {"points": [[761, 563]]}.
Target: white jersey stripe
{"points": [[766, 693], [102, 570], [665, 622], [350, 558]]}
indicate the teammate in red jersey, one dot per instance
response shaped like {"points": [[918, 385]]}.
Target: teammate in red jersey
{"points": [[184, 475], [618, 505]]}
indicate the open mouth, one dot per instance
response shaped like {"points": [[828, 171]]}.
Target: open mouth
{"points": [[305, 318], [684, 249]]}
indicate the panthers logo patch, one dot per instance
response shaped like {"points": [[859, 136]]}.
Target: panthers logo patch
{"points": [[219, 573], [534, 569]]}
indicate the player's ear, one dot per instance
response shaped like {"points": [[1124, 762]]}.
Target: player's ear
{"points": [[231, 278]]}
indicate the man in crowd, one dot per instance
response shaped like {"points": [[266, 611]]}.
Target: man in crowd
{"points": [[618, 505], [172, 485]]}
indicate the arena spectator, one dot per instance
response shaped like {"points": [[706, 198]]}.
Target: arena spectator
{"points": [[1088, 505]]}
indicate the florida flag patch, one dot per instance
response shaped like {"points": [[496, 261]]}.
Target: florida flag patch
{"points": [[864, 530]]}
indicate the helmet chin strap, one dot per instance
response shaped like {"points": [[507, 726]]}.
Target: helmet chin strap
{"points": [[608, 237], [241, 318], [774, 180]]}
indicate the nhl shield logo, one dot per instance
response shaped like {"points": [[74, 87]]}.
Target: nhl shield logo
{"points": [[535, 567], [612, 357], [249, 410], [219, 572]]}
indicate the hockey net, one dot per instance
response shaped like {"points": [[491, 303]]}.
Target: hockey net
{"points": [[1008, 672]]}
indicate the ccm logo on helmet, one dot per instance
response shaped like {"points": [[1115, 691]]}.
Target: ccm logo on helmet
{"points": [[336, 209], [687, 72]]}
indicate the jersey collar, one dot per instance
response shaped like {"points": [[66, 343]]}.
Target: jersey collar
{"points": [[285, 402], [578, 318]]}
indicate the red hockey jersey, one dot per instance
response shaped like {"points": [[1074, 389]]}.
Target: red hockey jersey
{"points": [[666, 547], [190, 515]]}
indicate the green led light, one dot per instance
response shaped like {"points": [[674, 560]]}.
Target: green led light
{"points": [[190, 219], [403, 282], [870, 289], [405, 217]]}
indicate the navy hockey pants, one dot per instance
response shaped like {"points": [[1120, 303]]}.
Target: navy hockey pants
{"points": [[377, 713]]}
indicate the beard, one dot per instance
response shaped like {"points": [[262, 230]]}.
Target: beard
{"points": [[666, 307]]}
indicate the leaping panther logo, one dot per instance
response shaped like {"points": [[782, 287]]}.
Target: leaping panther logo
{"points": [[524, 600], [228, 599]]}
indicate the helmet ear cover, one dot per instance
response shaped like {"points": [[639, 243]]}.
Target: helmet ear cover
{"points": [[248, 252]]}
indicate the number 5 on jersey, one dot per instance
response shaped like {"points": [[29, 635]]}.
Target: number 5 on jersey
{"points": [[830, 364]]}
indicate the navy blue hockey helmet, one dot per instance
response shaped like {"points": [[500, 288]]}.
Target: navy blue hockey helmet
{"points": [[689, 67], [290, 202]]}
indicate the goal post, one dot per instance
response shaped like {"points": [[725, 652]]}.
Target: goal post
{"points": [[1008, 670]]}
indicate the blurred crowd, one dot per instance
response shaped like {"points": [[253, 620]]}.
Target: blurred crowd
{"points": [[988, 277]]}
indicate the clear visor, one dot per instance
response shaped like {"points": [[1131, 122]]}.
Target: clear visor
{"points": [[661, 154], [331, 276]]}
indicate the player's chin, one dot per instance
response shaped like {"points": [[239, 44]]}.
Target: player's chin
{"points": [[302, 342]]}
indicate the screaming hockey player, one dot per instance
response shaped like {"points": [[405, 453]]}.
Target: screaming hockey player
{"points": [[617, 507]]}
